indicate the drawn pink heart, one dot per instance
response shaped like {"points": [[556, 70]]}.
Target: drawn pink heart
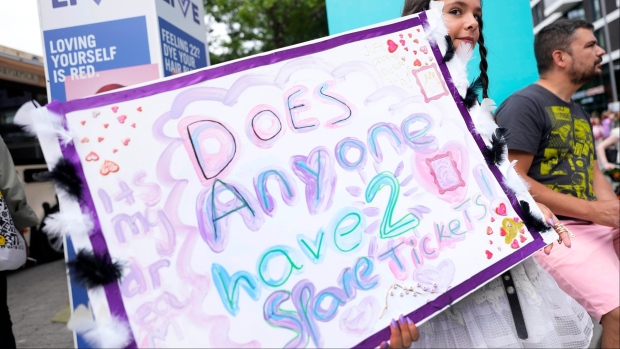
{"points": [[501, 209], [415, 52], [139, 109], [522, 238], [401, 35], [424, 49], [442, 275], [85, 140], [406, 48], [100, 139], [115, 109], [502, 232], [92, 156], [360, 319], [489, 254], [417, 63], [83, 122], [106, 125], [489, 231], [492, 219], [410, 35], [392, 47], [416, 40], [490, 242], [126, 141], [133, 125], [122, 119], [515, 244], [402, 42], [516, 219], [442, 172], [108, 167]]}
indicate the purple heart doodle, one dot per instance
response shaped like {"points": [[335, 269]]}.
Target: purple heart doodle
{"points": [[428, 276], [360, 319], [97, 2]]}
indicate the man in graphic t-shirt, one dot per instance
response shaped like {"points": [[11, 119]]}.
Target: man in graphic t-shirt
{"points": [[551, 138]]}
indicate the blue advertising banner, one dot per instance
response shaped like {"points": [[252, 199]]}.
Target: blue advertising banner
{"points": [[180, 51], [81, 52]]}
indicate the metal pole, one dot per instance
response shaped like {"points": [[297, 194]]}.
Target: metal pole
{"points": [[612, 73]]}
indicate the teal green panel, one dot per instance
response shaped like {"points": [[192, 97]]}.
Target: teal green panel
{"points": [[507, 31], [344, 15]]}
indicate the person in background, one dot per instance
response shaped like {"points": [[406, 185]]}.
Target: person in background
{"points": [[23, 217], [484, 319], [607, 121], [612, 140], [597, 128], [552, 142]]}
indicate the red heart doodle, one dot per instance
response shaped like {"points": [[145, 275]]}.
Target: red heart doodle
{"points": [[490, 242], [515, 244], [418, 30], [417, 63], [492, 219], [139, 109], [85, 140], [415, 52], [126, 141], [122, 119], [402, 42], [522, 238], [406, 48], [501, 209], [410, 35], [416, 41], [489, 254], [114, 150], [106, 125], [83, 122], [92, 156], [392, 47], [489, 231], [100, 139], [502, 232], [133, 125], [115, 109], [108, 167]]}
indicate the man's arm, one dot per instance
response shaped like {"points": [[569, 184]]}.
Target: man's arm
{"points": [[604, 211]]}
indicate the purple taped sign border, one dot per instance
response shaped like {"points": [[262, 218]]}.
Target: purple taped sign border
{"points": [[112, 291]]}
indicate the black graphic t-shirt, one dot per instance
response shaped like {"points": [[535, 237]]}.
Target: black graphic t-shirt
{"points": [[559, 135]]}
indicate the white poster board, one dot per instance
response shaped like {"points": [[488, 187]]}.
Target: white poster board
{"points": [[303, 197]]}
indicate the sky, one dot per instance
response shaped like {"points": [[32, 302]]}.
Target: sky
{"points": [[19, 26]]}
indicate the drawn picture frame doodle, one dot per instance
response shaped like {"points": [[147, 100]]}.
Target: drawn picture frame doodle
{"points": [[260, 202]]}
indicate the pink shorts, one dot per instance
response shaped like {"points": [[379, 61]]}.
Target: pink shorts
{"points": [[588, 271]]}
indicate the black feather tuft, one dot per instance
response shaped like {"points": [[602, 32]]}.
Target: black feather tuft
{"points": [[471, 98], [496, 152], [64, 175], [450, 51], [93, 270], [530, 220]]}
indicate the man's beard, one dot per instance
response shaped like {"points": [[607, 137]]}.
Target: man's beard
{"points": [[580, 78]]}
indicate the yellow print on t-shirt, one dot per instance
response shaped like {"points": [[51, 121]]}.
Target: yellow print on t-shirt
{"points": [[569, 155]]}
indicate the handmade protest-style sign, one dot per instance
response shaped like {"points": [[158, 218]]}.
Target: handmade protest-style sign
{"points": [[299, 198]]}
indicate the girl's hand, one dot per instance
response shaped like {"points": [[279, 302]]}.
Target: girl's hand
{"points": [[553, 221], [403, 333]]}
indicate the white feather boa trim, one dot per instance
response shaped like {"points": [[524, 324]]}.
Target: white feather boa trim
{"points": [[106, 332], [68, 223]]}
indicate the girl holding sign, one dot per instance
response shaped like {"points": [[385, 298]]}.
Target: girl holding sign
{"points": [[523, 308]]}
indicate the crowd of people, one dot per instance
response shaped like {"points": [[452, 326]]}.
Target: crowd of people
{"points": [[606, 129]]}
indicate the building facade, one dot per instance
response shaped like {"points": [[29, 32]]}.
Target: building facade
{"points": [[597, 95]]}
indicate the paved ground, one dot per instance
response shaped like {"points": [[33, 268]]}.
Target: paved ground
{"points": [[36, 295]]}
